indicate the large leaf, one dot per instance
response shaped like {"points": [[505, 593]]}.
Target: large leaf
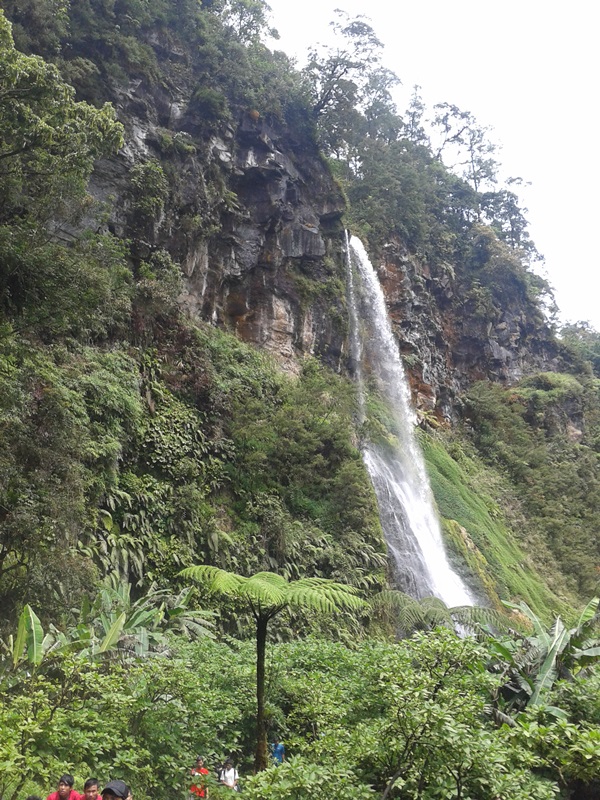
{"points": [[590, 655], [144, 618], [197, 626], [112, 637], [215, 579], [524, 609], [142, 642], [502, 651], [267, 589], [588, 612], [548, 670], [323, 595], [86, 608], [557, 713], [31, 635], [19, 644]]}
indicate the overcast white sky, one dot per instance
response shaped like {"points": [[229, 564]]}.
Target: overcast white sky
{"points": [[527, 68]]}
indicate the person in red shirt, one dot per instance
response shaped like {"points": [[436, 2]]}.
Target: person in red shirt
{"points": [[90, 789], [199, 787], [65, 789]]}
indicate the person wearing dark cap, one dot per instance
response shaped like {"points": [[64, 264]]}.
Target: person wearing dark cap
{"points": [[115, 789], [65, 789]]}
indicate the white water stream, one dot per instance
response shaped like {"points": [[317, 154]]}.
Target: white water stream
{"points": [[406, 507]]}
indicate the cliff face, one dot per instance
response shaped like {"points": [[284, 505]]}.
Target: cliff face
{"points": [[272, 273], [272, 269], [449, 340], [253, 217]]}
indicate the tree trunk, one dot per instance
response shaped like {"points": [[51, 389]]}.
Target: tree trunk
{"points": [[260, 758]]}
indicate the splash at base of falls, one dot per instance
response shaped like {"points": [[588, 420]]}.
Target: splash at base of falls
{"points": [[419, 561], [406, 507]]}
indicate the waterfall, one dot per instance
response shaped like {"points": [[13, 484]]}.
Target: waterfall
{"points": [[398, 474]]}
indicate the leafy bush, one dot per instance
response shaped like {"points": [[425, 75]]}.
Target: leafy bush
{"points": [[82, 291], [49, 141], [406, 715], [149, 189]]}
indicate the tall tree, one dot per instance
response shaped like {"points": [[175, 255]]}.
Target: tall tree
{"points": [[413, 119], [48, 141], [266, 595], [247, 19], [503, 211], [468, 145], [350, 89]]}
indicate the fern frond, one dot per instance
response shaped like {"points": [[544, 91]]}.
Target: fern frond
{"points": [[390, 600], [478, 615], [215, 579], [411, 618], [323, 595], [269, 590], [266, 588]]}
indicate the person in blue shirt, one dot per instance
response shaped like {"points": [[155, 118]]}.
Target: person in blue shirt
{"points": [[277, 751]]}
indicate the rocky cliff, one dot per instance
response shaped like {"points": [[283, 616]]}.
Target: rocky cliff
{"points": [[450, 339], [271, 268], [272, 265], [249, 208]]}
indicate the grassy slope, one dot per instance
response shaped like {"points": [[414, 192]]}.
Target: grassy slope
{"points": [[479, 529]]}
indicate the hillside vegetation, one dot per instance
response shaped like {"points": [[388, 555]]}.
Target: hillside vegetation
{"points": [[137, 440]]}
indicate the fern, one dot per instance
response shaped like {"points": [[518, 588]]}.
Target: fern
{"points": [[267, 594]]}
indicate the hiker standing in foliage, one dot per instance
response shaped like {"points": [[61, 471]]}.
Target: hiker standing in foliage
{"points": [[198, 788], [65, 789], [277, 751], [229, 775]]}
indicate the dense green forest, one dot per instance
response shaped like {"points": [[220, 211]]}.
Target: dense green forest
{"points": [[137, 440]]}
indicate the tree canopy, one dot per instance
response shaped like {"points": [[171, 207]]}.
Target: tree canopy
{"points": [[48, 140]]}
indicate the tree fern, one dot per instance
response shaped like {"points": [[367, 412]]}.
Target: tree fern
{"points": [[267, 593], [410, 614]]}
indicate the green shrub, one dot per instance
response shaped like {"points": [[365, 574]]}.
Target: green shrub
{"points": [[149, 190]]}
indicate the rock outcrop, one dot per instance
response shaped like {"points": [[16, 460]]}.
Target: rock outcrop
{"points": [[254, 218], [447, 342]]}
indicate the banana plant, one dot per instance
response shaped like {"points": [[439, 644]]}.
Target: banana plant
{"points": [[533, 663], [112, 625], [115, 622], [28, 646], [24, 653]]}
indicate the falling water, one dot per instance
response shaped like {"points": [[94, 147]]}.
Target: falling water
{"points": [[409, 522]]}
